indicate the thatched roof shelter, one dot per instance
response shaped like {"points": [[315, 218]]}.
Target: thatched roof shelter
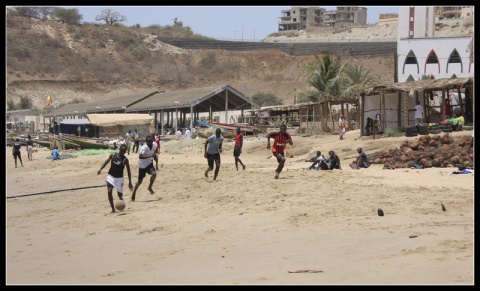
{"points": [[411, 91], [426, 85]]}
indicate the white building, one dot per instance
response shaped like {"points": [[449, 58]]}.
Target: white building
{"points": [[420, 53]]}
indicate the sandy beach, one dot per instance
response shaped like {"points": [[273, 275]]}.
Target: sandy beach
{"points": [[247, 228]]}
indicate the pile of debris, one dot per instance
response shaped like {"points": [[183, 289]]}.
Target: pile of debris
{"points": [[426, 152]]}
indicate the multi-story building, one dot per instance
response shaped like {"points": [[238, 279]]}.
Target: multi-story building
{"points": [[304, 17], [421, 54], [387, 18], [445, 12]]}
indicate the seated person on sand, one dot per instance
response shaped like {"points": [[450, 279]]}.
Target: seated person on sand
{"points": [[333, 161], [362, 160], [319, 162]]}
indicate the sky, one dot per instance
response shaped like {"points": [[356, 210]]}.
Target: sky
{"points": [[240, 23]]}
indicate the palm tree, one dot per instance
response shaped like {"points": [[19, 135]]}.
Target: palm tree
{"points": [[358, 78], [325, 78]]}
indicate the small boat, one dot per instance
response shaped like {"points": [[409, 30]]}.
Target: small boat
{"points": [[84, 144], [47, 143]]}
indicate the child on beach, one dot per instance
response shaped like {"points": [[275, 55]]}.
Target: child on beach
{"points": [[55, 154]]}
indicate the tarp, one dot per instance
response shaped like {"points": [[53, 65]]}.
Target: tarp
{"points": [[106, 120], [116, 125]]}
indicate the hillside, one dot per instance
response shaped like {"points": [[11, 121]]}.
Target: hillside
{"points": [[95, 62]]}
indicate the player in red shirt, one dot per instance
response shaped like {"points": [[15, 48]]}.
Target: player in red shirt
{"points": [[237, 150], [280, 140]]}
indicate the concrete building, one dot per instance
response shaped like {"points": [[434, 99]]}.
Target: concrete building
{"points": [[387, 18], [24, 120], [421, 54], [446, 12], [304, 17]]}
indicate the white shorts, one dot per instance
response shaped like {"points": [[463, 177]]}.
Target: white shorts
{"points": [[117, 182], [29, 150]]}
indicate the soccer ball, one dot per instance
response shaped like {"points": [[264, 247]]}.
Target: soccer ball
{"points": [[120, 205]]}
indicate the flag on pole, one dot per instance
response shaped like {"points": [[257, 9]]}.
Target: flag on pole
{"points": [[49, 100]]}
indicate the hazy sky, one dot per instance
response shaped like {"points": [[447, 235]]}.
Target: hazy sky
{"points": [[221, 22]]}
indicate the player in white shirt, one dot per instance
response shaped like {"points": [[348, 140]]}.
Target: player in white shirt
{"points": [[145, 164]]}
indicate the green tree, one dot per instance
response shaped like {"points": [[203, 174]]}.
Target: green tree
{"points": [[325, 78], [266, 99], [25, 103], [28, 11], [11, 105], [45, 12], [70, 16]]}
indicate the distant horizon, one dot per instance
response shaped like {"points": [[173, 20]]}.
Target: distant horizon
{"points": [[246, 23]]}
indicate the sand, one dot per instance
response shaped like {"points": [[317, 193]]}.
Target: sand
{"points": [[246, 228]]}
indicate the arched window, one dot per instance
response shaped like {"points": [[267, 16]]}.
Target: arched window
{"points": [[411, 59], [432, 58], [455, 58]]}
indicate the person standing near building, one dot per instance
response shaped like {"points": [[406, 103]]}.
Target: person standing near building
{"points": [[341, 126], [237, 149], [187, 133], [115, 174], [136, 141], [213, 148], [280, 140], [128, 140], [418, 113], [16, 151], [369, 127], [30, 148], [157, 141], [178, 134], [145, 164]]}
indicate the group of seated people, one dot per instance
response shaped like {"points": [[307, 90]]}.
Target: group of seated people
{"points": [[319, 162]]}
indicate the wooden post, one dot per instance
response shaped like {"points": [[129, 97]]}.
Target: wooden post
{"points": [[383, 118], [331, 116], [405, 110], [442, 104], [362, 114], [348, 115], [399, 112], [460, 101]]}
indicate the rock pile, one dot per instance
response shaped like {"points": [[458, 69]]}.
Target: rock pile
{"points": [[427, 151]]}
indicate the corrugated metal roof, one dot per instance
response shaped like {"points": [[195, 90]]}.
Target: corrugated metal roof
{"points": [[205, 99], [195, 97], [116, 103]]}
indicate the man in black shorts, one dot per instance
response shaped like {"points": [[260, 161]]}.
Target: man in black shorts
{"points": [[145, 164], [16, 152]]}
